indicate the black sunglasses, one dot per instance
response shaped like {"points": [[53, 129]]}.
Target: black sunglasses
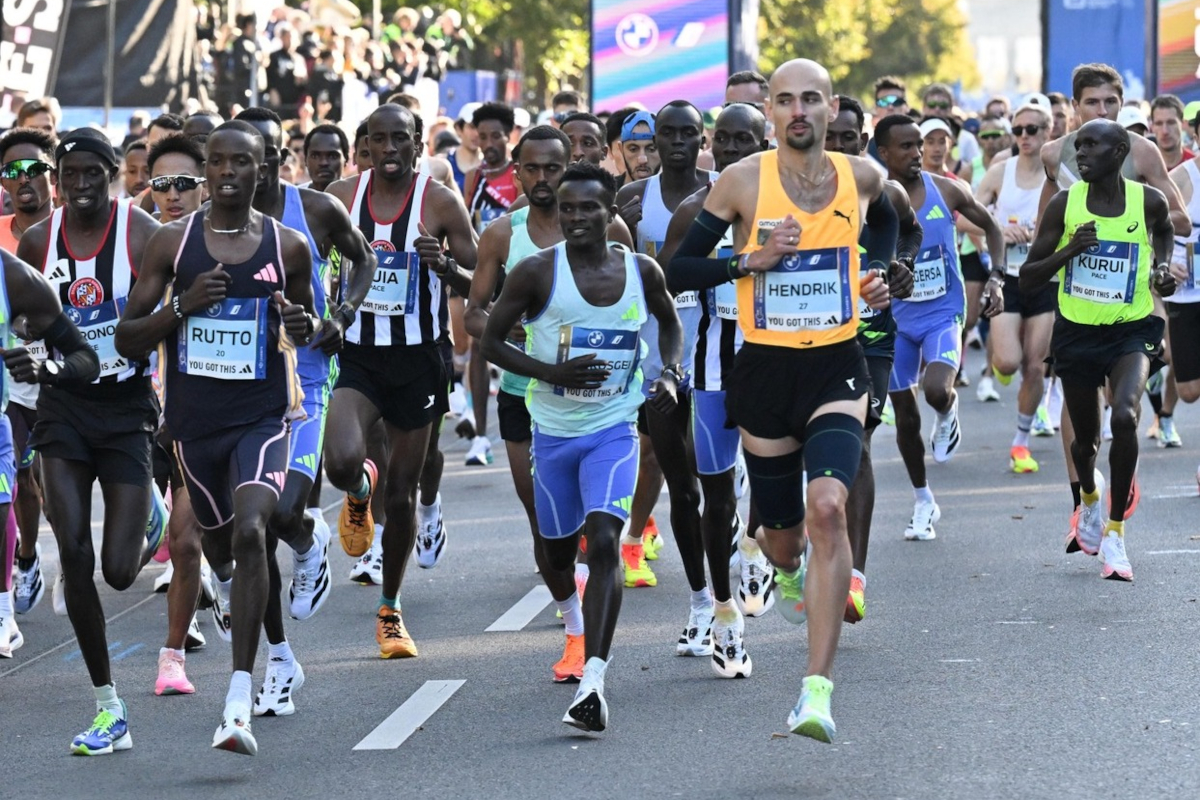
{"points": [[13, 170], [184, 183], [1026, 130]]}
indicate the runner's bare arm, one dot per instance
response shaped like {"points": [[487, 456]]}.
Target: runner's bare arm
{"points": [[670, 333], [1051, 157], [141, 327], [451, 225], [1158, 219], [1153, 169], [350, 242], [493, 252], [31, 296], [1045, 259]]}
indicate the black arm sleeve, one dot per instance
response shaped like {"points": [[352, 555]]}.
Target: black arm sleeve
{"points": [[909, 243], [880, 234], [692, 267], [79, 363]]}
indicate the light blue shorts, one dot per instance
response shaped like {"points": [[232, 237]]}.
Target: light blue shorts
{"points": [[575, 476]]}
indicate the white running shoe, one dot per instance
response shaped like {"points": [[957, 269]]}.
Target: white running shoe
{"points": [[234, 735], [28, 586], [431, 536], [310, 580], [588, 711], [741, 481], [735, 553], [10, 636], [283, 679], [946, 435], [206, 591], [369, 569], [754, 596], [458, 401], [1167, 435], [194, 639], [480, 453], [1090, 531], [1106, 427], [729, 658], [696, 639], [58, 594], [920, 528], [986, 390], [1112, 556], [222, 618], [163, 581]]}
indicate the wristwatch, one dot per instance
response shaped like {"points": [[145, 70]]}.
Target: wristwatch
{"points": [[53, 369], [676, 371], [345, 314]]}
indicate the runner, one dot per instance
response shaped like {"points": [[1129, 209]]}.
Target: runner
{"points": [[639, 153], [233, 390], [26, 161], [542, 158], [594, 299], [877, 336], [136, 172], [466, 156], [586, 133], [747, 86], [1097, 236], [798, 390], [929, 322], [1063, 114], [198, 126], [326, 151], [1183, 313], [740, 132], [390, 367], [99, 430], [1020, 336]]}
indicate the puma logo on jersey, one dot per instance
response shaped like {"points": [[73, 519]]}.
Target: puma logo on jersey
{"points": [[837, 213]]}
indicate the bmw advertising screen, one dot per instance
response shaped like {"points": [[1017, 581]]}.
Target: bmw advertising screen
{"points": [[655, 51]]}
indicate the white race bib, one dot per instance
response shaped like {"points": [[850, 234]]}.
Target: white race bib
{"points": [[394, 287], [724, 303], [1017, 253], [228, 340], [98, 324], [809, 290], [931, 279], [1106, 273], [687, 300], [618, 349]]}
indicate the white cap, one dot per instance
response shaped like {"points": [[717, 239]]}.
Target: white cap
{"points": [[543, 117], [1036, 99], [931, 125], [1129, 116], [468, 111], [521, 118]]}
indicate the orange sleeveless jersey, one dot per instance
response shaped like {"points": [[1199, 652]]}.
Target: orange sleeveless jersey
{"points": [[7, 240], [809, 299]]}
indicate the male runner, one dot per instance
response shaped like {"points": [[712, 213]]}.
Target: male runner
{"points": [[326, 151], [1183, 307], [89, 250], [586, 133], [877, 336], [136, 173], [231, 383], [198, 126], [1099, 236], [639, 152], [646, 205], [740, 132], [176, 176], [1020, 335], [929, 321], [26, 162], [542, 158], [1063, 114], [390, 367], [798, 390], [1166, 123], [584, 304], [747, 86], [466, 156]]}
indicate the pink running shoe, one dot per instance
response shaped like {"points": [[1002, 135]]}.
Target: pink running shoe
{"points": [[171, 677]]}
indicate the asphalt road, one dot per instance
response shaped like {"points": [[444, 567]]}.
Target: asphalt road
{"points": [[990, 664]]}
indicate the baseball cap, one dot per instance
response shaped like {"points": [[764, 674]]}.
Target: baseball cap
{"points": [[931, 125], [635, 119], [467, 112], [521, 118], [1035, 99], [1129, 116]]}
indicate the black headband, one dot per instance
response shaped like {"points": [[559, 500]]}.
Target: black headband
{"points": [[77, 142]]}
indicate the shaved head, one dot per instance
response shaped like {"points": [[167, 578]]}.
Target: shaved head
{"points": [[803, 71], [802, 104], [743, 116]]}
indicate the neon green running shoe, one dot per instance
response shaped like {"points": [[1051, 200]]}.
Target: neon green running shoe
{"points": [[811, 717]]}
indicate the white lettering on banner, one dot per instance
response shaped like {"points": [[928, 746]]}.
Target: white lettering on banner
{"points": [[27, 49]]}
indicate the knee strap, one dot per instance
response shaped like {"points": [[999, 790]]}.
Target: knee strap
{"points": [[777, 486], [833, 447]]}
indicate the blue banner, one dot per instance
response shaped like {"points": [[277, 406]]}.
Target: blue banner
{"points": [[1105, 31]]}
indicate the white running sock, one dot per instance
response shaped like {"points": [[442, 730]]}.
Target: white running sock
{"points": [[856, 574], [240, 690], [180, 654], [629, 539], [749, 546], [283, 651], [107, 700], [6, 605], [702, 599], [1024, 424], [924, 494], [593, 670], [428, 513], [572, 614], [725, 611]]}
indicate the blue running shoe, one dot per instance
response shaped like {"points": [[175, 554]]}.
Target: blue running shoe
{"points": [[811, 717], [156, 526], [108, 733]]}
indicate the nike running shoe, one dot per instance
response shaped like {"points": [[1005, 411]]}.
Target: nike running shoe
{"points": [[310, 579], [28, 587], [431, 537], [392, 636], [1021, 460], [1090, 528], [480, 452], [222, 618], [156, 526], [369, 569], [1115, 562], [856, 601], [926, 514], [696, 639], [107, 735], [946, 435], [58, 594], [1135, 497], [588, 711], [1042, 424], [986, 392], [163, 582], [11, 638], [729, 658], [171, 677], [888, 415], [356, 525], [652, 541], [234, 734], [790, 589], [637, 573], [569, 668], [194, 640], [754, 596], [1167, 435], [812, 717], [284, 678]]}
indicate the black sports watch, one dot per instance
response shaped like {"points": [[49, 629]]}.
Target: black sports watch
{"points": [[345, 314], [675, 370]]}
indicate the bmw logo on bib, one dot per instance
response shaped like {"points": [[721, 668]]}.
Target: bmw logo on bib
{"points": [[596, 338], [74, 315]]}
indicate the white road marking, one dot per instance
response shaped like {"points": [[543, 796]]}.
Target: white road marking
{"points": [[405, 720], [1017, 622], [1171, 552], [523, 612]]}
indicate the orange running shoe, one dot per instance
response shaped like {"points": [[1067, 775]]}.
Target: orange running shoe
{"points": [[856, 602], [1135, 497], [356, 524], [651, 541], [569, 668], [392, 636], [637, 573]]}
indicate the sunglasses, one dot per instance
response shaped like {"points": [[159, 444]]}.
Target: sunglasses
{"points": [[184, 183], [889, 100], [991, 134], [941, 105], [32, 167], [1026, 130]]}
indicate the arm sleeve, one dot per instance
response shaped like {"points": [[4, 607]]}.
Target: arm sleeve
{"points": [[881, 232], [79, 363], [909, 243], [692, 267]]}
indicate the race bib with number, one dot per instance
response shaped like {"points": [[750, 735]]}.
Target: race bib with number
{"points": [[616, 349], [394, 288], [1106, 273], [98, 324], [931, 278], [1017, 253], [487, 215], [809, 290], [228, 340]]}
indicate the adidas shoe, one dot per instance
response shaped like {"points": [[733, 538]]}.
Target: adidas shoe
{"points": [[283, 679]]}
